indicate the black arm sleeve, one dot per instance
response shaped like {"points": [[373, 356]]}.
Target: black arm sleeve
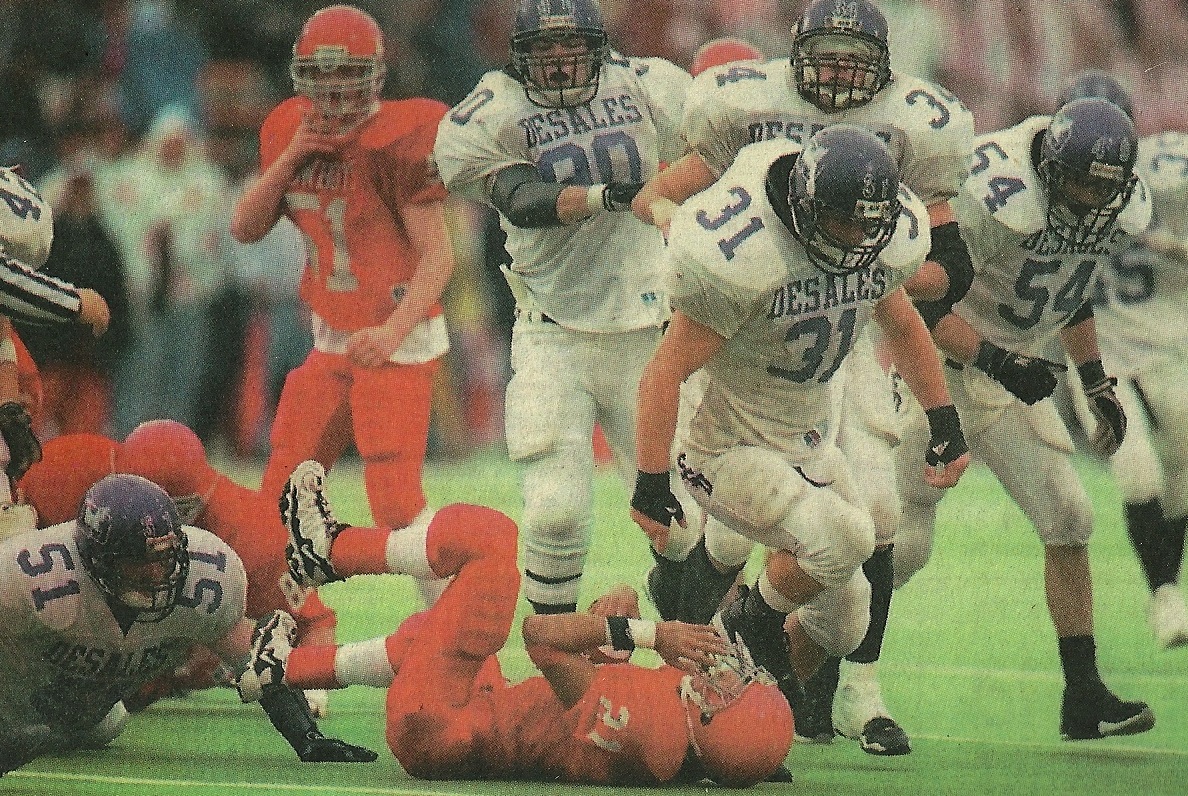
{"points": [[948, 249], [1083, 313], [524, 199]]}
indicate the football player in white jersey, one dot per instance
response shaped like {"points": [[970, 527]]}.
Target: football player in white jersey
{"points": [[1142, 327], [775, 272], [96, 607], [1045, 204], [839, 71], [558, 143]]}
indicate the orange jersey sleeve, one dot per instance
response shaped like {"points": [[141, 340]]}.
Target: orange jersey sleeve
{"points": [[359, 254]]}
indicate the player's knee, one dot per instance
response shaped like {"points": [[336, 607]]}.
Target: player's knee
{"points": [[886, 512], [837, 619], [913, 542], [555, 517], [1071, 519], [466, 533]]}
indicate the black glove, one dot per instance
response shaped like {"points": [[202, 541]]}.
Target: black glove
{"points": [[653, 498], [617, 196], [947, 443], [1105, 406], [1030, 379], [24, 449], [320, 749]]}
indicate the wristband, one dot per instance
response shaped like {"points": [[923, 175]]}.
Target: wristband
{"points": [[8, 351], [618, 635], [943, 421], [651, 483], [1091, 372], [594, 201], [643, 633]]}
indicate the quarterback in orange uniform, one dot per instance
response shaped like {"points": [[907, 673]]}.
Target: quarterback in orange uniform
{"points": [[450, 713], [354, 174]]}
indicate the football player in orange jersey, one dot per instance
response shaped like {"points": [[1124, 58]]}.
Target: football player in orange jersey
{"points": [[354, 173], [725, 50], [171, 455], [450, 713]]}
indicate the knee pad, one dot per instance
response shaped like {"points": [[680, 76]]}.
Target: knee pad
{"points": [[838, 618], [752, 490], [836, 537], [1071, 514]]}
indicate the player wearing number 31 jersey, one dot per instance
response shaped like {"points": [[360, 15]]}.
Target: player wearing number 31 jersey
{"points": [[354, 174]]}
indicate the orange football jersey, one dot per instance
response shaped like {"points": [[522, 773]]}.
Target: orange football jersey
{"points": [[348, 208]]}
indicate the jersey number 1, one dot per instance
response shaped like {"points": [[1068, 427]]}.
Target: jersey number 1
{"points": [[340, 279]]}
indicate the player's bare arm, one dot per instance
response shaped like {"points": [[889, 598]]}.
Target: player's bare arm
{"points": [[1080, 341], [911, 349], [426, 227], [670, 187], [686, 346], [262, 202]]}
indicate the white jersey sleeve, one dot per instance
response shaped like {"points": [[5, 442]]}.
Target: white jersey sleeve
{"points": [[26, 220], [215, 592], [666, 86]]}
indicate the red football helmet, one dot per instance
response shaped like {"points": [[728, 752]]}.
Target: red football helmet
{"points": [[723, 51], [338, 62], [740, 725], [170, 455]]}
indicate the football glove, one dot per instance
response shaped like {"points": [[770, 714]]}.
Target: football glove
{"points": [[1030, 379], [653, 498], [947, 442], [1107, 410], [24, 449], [617, 196]]}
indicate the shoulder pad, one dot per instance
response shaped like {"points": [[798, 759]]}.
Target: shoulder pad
{"points": [[1003, 181], [926, 107], [397, 118], [912, 241]]}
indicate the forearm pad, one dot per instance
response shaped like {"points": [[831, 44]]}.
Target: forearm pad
{"points": [[519, 194], [950, 252]]}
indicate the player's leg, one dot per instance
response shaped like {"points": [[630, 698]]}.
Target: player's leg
{"points": [[1035, 468], [550, 420], [312, 419], [1151, 469], [391, 407]]}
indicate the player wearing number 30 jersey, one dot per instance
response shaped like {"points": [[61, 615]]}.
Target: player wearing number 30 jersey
{"points": [[354, 174]]}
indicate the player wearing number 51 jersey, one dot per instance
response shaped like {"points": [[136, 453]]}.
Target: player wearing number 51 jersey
{"points": [[1044, 205], [558, 143], [354, 174]]}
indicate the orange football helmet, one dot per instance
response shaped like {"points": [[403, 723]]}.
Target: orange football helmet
{"points": [[723, 51], [740, 725], [338, 63], [170, 455]]}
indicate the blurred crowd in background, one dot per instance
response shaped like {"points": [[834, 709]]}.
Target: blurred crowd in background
{"points": [[139, 119]]}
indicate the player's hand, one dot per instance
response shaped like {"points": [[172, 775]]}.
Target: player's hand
{"points": [[1106, 408], [93, 311], [689, 647], [1030, 379], [24, 449], [622, 600], [373, 346], [617, 196], [313, 138], [947, 455], [654, 508], [320, 749]]}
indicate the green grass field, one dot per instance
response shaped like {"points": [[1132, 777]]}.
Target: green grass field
{"points": [[969, 668]]}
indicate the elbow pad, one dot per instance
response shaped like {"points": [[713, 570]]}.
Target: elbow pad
{"points": [[518, 193], [949, 250]]}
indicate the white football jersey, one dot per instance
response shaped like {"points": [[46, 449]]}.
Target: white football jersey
{"points": [[64, 660], [1027, 285], [927, 129], [1142, 307], [736, 268], [601, 274], [26, 220]]}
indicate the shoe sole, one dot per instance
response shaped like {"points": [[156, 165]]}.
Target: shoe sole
{"points": [[1133, 726]]}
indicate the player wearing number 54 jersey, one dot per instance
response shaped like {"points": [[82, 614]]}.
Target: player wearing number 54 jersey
{"points": [[354, 174], [558, 143], [1044, 205]]}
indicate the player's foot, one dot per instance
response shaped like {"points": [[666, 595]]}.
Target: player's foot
{"points": [[663, 585], [1095, 712], [272, 641], [814, 722], [767, 644], [319, 702], [1168, 617], [859, 712], [703, 586], [311, 525]]}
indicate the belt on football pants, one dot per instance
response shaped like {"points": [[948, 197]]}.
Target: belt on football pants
{"points": [[534, 316]]}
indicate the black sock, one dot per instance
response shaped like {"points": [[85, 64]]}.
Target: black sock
{"points": [[1144, 523], [289, 713], [1078, 658], [763, 615], [1170, 546], [703, 586], [878, 571], [665, 585]]}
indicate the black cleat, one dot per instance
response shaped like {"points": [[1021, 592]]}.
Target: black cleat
{"points": [[882, 735], [1095, 712], [761, 631], [814, 720]]}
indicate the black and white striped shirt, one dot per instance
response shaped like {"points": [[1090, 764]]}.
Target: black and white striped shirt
{"points": [[36, 298]]}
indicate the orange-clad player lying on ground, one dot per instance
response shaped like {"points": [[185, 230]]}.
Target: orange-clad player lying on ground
{"points": [[450, 713], [171, 455]]}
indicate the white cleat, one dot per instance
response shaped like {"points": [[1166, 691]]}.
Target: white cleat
{"points": [[311, 524], [1168, 617], [272, 641], [319, 702], [859, 712]]}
